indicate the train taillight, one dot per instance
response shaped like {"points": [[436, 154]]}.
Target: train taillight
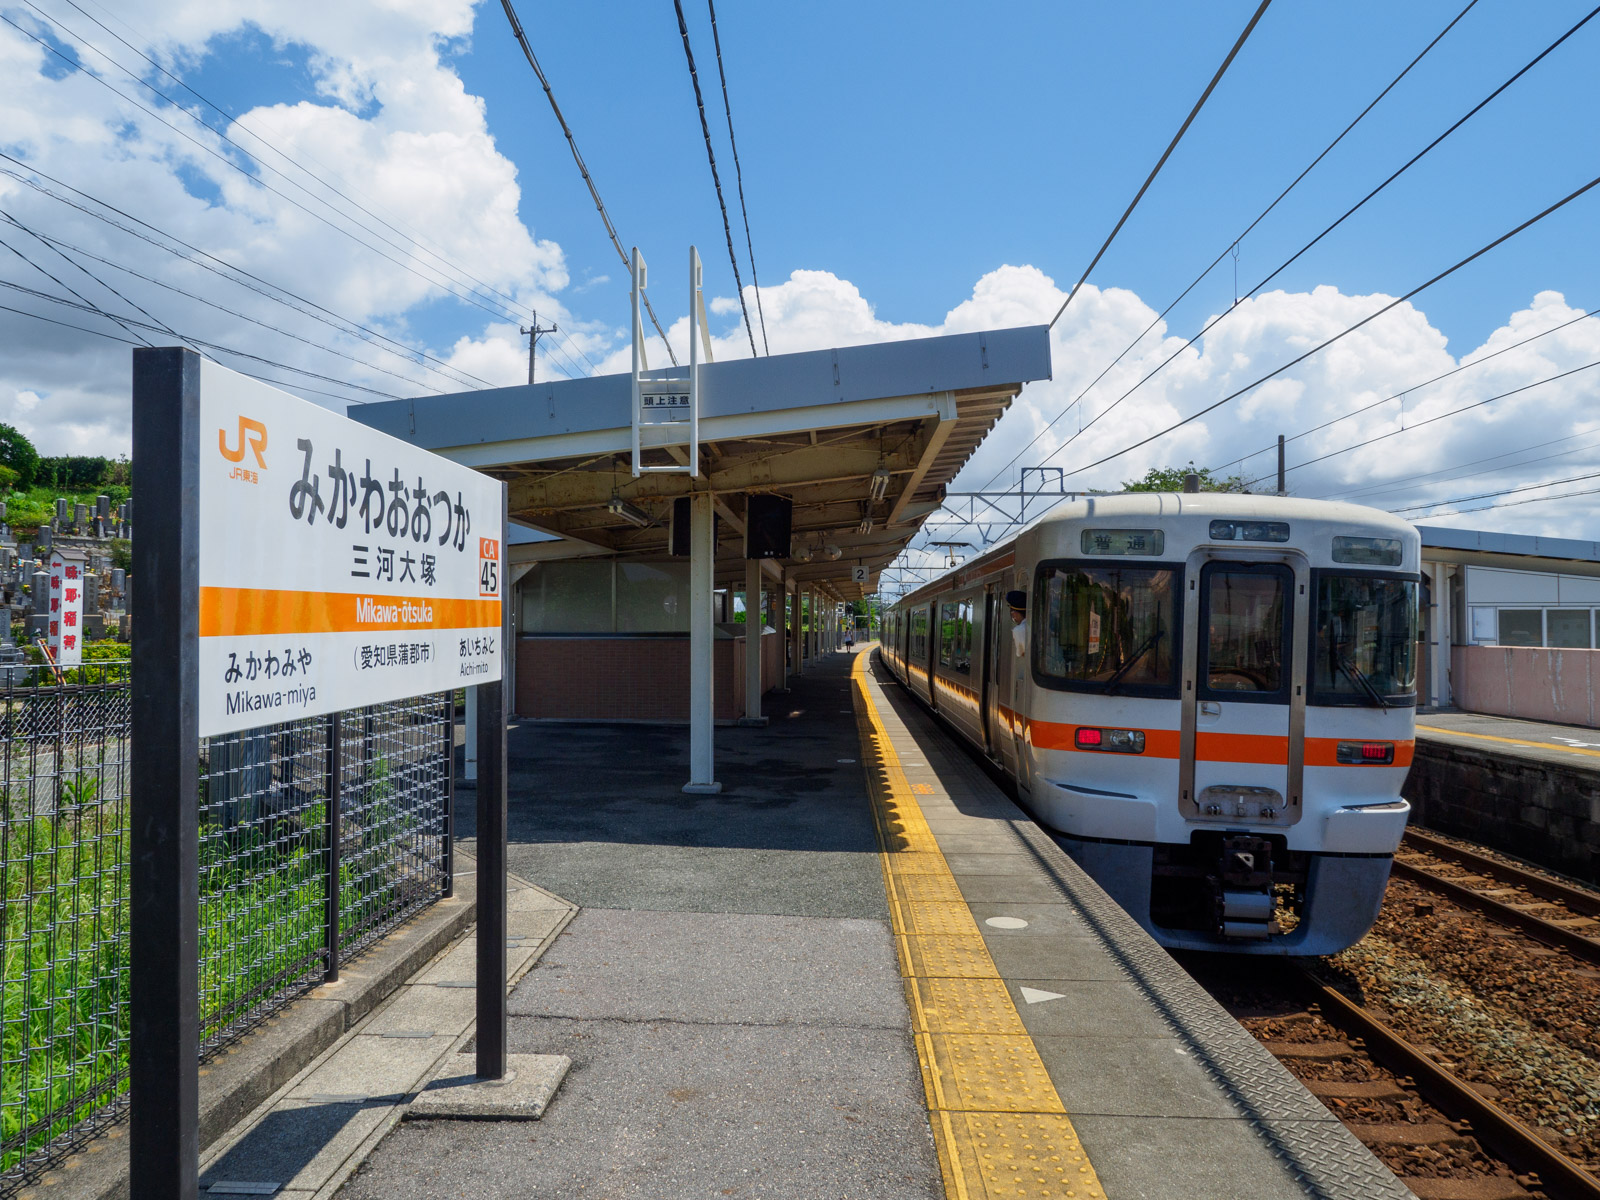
{"points": [[1370, 754], [1118, 741]]}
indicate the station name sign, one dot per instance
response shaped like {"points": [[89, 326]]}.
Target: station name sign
{"points": [[338, 566]]}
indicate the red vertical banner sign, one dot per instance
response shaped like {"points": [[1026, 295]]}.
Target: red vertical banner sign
{"points": [[66, 607]]}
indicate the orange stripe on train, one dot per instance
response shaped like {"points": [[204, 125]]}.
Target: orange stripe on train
{"points": [[1259, 748]]}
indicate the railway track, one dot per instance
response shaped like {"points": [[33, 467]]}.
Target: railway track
{"points": [[1548, 910], [1441, 1136]]}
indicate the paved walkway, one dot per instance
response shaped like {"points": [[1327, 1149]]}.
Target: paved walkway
{"points": [[1573, 746], [765, 996], [728, 993]]}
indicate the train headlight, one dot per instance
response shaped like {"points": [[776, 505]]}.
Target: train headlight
{"points": [[1366, 754], [1118, 741]]}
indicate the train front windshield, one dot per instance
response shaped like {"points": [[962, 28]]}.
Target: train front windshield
{"points": [[1366, 641], [1101, 628]]}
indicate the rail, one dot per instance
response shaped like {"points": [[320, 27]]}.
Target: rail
{"points": [[1517, 1143]]}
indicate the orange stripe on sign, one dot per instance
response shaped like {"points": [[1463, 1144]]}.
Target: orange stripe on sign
{"points": [[242, 612]]}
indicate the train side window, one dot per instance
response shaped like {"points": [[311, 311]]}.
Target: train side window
{"points": [[955, 636], [1106, 628]]}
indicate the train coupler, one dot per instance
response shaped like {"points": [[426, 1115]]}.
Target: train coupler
{"points": [[1244, 888]]}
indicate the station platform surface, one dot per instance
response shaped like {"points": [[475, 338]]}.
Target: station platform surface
{"points": [[859, 971], [1576, 747]]}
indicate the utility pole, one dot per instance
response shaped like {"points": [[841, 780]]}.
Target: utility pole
{"points": [[1283, 490], [534, 334]]}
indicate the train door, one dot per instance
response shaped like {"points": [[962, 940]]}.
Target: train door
{"points": [[1242, 745], [985, 667]]}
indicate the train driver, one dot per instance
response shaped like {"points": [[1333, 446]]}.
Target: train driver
{"points": [[1018, 602]]}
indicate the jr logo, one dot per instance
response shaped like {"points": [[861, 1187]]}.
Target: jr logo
{"points": [[252, 432]]}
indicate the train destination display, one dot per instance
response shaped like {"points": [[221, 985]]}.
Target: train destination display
{"points": [[338, 566]]}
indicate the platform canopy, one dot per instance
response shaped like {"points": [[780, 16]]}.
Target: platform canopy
{"points": [[814, 427]]}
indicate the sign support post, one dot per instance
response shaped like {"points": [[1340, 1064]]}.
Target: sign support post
{"points": [[280, 574], [164, 880], [491, 973]]}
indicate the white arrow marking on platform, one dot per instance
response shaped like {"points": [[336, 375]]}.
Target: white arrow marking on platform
{"points": [[1035, 996]]}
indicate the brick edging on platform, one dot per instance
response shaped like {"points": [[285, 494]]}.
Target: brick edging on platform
{"points": [[244, 1075]]}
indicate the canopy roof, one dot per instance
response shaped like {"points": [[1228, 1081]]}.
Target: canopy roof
{"points": [[812, 426]]}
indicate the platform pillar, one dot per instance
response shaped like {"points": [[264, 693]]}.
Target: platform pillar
{"points": [[797, 645], [754, 623], [702, 564]]}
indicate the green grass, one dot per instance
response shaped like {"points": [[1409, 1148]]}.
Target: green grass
{"points": [[64, 1002], [37, 505]]}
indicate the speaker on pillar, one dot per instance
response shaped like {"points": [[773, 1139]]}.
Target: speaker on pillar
{"points": [[678, 530], [678, 537], [767, 524]]}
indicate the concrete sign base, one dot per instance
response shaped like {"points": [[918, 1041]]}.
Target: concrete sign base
{"points": [[457, 1093]]}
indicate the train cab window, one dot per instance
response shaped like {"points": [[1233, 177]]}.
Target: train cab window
{"points": [[955, 636], [1365, 647], [1245, 619], [1106, 629]]}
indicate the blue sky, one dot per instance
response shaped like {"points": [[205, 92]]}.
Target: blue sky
{"points": [[912, 147], [909, 168]]}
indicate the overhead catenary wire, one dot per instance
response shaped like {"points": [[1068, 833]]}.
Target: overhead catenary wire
{"points": [[716, 180], [1233, 245], [583, 168], [1281, 267], [738, 175], [1346, 332], [1411, 482], [1510, 491], [1415, 425], [1416, 387], [1514, 503], [1166, 154]]}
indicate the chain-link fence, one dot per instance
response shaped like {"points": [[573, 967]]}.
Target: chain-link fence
{"points": [[362, 796]]}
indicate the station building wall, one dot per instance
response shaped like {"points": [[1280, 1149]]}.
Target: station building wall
{"points": [[602, 640]]}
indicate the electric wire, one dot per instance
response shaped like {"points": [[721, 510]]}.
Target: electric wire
{"points": [[1220, 317], [1446, 273], [60, 253], [1510, 491], [194, 342], [1514, 503], [434, 280], [404, 231], [233, 274], [66, 287], [583, 169], [738, 174], [1416, 387], [1407, 483], [1454, 412], [716, 180], [1166, 154], [59, 245], [1198, 279], [1343, 333]]}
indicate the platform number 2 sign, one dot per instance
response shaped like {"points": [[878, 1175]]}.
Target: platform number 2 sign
{"points": [[488, 567], [858, 574]]}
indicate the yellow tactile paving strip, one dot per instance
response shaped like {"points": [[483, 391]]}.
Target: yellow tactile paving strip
{"points": [[997, 1120], [1490, 737]]}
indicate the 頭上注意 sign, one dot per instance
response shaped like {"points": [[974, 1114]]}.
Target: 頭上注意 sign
{"points": [[339, 566]]}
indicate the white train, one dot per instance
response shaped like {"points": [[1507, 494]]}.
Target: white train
{"points": [[1209, 697]]}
